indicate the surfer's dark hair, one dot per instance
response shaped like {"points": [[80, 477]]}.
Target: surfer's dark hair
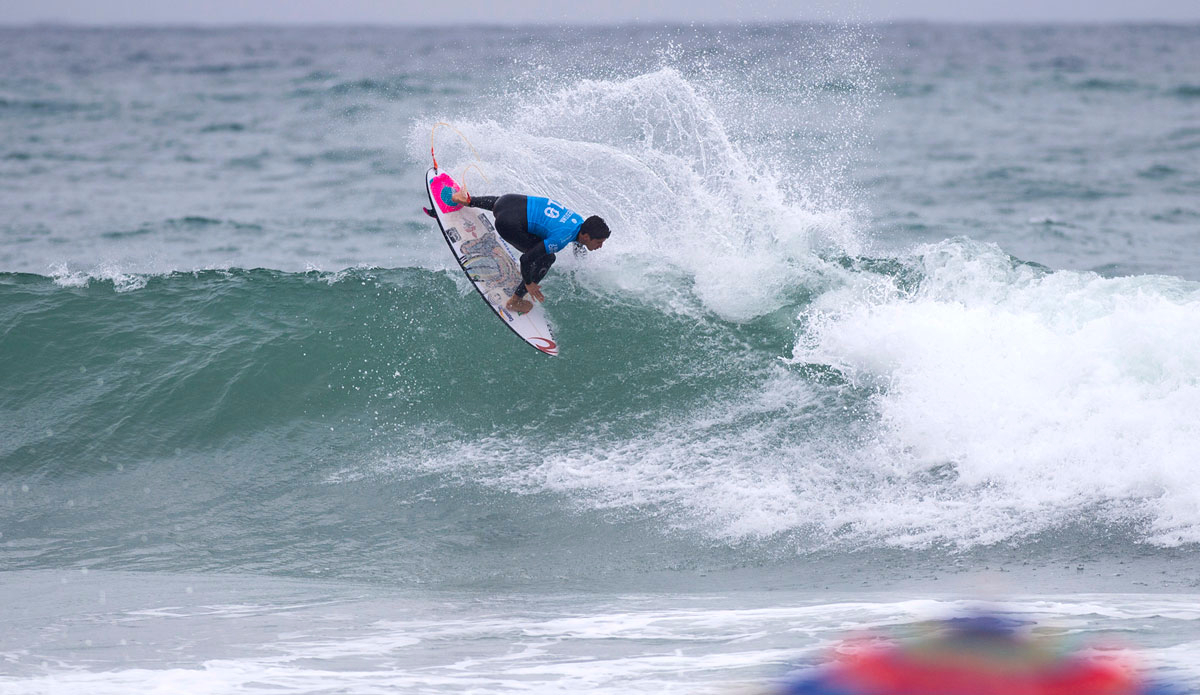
{"points": [[595, 227]]}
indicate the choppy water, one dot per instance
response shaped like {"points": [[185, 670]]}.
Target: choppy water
{"points": [[890, 314]]}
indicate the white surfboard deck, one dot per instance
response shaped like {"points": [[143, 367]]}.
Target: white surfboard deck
{"points": [[492, 266]]}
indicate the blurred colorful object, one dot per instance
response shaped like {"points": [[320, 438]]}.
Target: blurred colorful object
{"points": [[978, 655]]}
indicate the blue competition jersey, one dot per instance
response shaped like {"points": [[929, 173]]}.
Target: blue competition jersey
{"points": [[549, 220]]}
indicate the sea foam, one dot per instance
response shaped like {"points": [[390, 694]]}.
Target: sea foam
{"points": [[698, 223], [1048, 392]]}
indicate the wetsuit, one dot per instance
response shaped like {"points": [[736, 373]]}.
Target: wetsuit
{"points": [[538, 227]]}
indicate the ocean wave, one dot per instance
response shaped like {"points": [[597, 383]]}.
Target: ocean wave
{"points": [[1101, 84], [50, 106], [735, 367]]}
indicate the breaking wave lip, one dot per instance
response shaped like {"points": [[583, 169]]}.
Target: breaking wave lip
{"points": [[121, 281]]}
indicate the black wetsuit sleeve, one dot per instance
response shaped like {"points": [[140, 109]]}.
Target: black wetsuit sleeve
{"points": [[487, 202]]}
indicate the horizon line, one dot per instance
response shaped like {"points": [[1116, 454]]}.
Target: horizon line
{"points": [[71, 24]]}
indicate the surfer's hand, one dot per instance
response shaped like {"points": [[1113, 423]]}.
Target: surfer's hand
{"points": [[535, 291], [461, 197]]}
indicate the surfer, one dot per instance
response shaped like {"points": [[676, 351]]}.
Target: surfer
{"points": [[539, 228]]}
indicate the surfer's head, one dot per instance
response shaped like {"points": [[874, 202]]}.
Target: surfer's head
{"points": [[593, 232]]}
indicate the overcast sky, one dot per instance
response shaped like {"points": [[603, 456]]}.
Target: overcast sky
{"points": [[588, 11]]}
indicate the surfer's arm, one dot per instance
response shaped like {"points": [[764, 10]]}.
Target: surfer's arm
{"points": [[486, 202]]}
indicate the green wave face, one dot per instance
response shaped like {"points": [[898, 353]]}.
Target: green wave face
{"points": [[232, 410], [199, 360]]}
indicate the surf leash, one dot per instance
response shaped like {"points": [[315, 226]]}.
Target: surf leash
{"points": [[433, 133], [462, 175]]}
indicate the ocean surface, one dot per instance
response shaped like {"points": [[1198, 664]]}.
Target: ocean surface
{"points": [[894, 319]]}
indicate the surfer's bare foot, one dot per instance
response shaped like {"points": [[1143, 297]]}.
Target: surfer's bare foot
{"points": [[461, 197], [519, 305]]}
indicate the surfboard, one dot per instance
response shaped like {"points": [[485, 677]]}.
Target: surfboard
{"points": [[492, 266]]}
